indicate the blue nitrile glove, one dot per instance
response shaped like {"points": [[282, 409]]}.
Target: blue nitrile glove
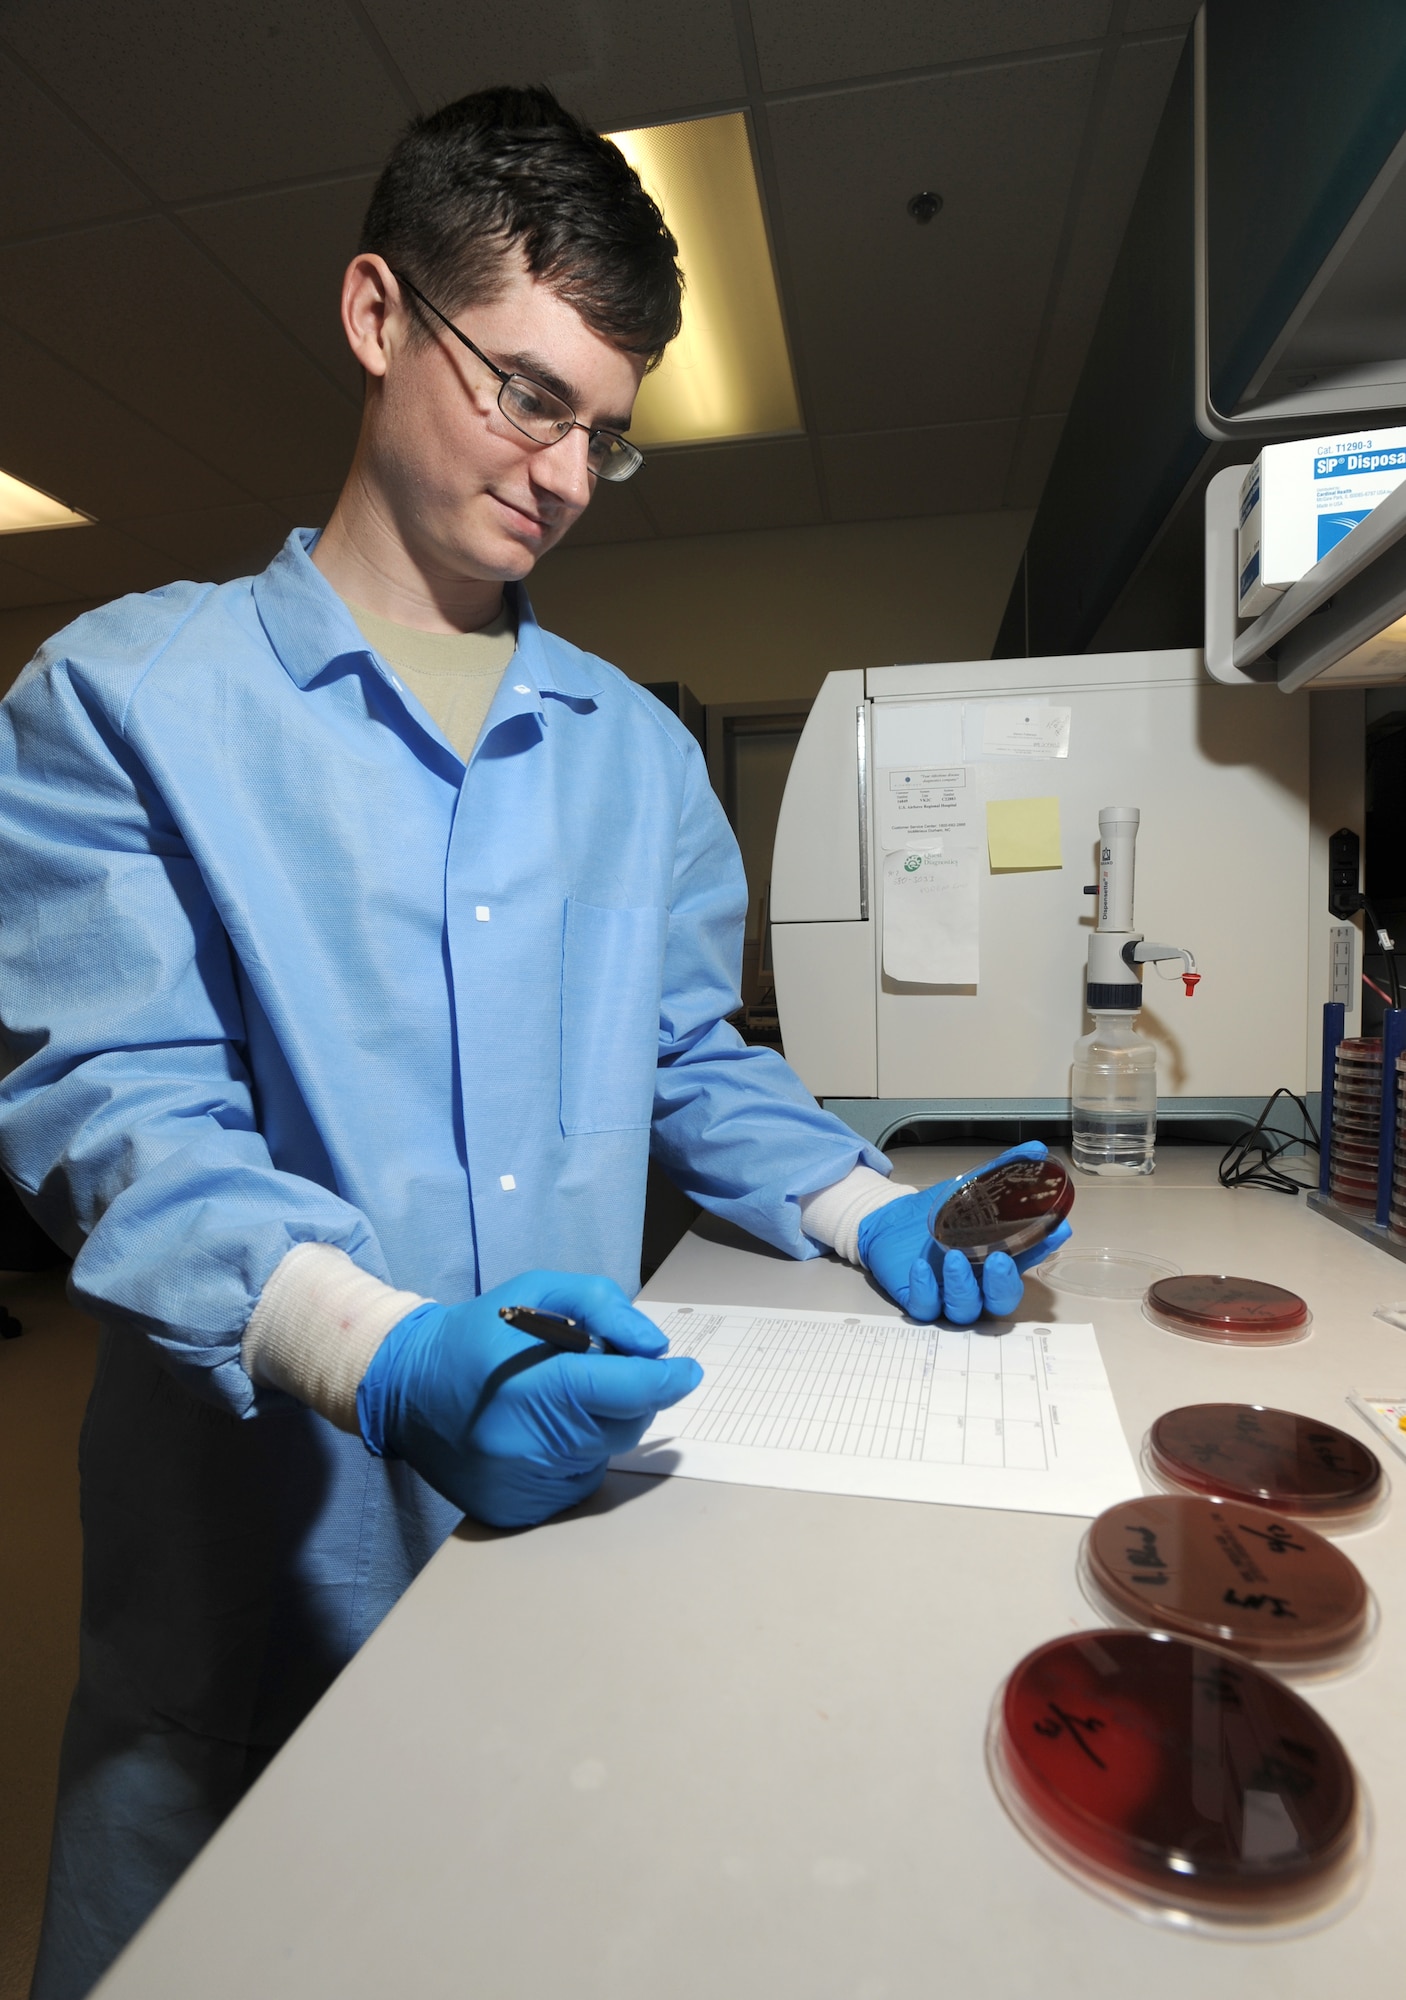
{"points": [[896, 1244], [506, 1428]]}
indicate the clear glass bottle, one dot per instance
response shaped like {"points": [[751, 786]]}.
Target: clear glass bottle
{"points": [[1114, 1098]]}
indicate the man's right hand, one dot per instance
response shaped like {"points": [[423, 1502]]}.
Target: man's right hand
{"points": [[505, 1428]]}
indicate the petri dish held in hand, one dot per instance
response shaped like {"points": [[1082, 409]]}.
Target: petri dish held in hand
{"points": [[1266, 1588], [1295, 1465], [1011, 1207], [1179, 1782], [1239, 1311]]}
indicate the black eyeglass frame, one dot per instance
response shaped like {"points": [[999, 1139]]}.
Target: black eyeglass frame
{"points": [[506, 376]]}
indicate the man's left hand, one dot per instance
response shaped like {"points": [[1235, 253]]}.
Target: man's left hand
{"points": [[896, 1244]]}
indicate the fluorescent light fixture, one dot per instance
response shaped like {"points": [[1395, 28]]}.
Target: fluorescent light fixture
{"points": [[728, 375], [24, 508]]}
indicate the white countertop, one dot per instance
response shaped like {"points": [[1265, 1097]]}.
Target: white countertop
{"points": [[726, 1743]]}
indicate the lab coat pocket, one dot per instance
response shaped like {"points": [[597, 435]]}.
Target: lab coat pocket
{"points": [[610, 976]]}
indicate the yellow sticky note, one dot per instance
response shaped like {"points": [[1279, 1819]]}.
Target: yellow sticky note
{"points": [[1023, 833]]}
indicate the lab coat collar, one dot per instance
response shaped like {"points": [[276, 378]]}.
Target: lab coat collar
{"points": [[309, 627]]}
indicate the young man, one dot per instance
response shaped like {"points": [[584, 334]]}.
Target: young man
{"points": [[360, 943]]}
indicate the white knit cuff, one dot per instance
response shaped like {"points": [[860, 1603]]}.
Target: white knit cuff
{"points": [[319, 1320], [833, 1216]]}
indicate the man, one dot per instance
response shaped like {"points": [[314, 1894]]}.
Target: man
{"points": [[360, 944]]}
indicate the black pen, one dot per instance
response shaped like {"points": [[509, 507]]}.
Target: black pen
{"points": [[554, 1328]]}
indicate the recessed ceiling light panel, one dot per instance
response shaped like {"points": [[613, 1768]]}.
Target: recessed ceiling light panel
{"points": [[24, 508], [728, 375]]}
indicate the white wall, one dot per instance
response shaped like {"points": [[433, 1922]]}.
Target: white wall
{"points": [[749, 617], [766, 616]]}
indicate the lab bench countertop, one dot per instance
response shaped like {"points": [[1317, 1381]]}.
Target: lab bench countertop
{"points": [[727, 1743]]}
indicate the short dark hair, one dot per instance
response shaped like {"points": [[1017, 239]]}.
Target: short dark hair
{"points": [[507, 170]]}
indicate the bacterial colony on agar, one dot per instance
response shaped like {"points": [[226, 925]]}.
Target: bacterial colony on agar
{"points": [[1295, 1465], [1180, 1782], [1267, 1588], [1011, 1207], [1235, 1311]]}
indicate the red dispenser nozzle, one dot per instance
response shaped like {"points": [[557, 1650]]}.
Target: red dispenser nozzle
{"points": [[1191, 980]]}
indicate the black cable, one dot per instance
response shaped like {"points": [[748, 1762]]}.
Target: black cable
{"points": [[1238, 1169]]}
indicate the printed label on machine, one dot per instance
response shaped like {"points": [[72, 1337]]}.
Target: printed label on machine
{"points": [[1014, 729], [924, 809]]}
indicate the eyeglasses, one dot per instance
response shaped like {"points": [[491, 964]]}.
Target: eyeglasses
{"points": [[539, 414]]}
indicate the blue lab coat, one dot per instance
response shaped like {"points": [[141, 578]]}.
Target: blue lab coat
{"points": [[276, 968]]}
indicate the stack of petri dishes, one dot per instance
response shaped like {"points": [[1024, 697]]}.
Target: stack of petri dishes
{"points": [[1357, 1122], [1396, 1222]]}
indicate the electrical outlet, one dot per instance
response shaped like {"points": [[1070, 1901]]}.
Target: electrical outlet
{"points": [[1344, 872], [1341, 939]]}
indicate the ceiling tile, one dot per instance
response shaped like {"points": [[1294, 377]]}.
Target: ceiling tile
{"points": [[70, 439], [1130, 115], [614, 515], [947, 469], [1030, 465], [88, 562], [50, 174], [200, 99], [898, 322], [769, 483], [179, 343], [1159, 14], [820, 41], [615, 62], [290, 250], [21, 586], [213, 543]]}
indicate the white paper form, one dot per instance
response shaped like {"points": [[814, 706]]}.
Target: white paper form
{"points": [[833, 1402], [925, 808], [932, 918]]}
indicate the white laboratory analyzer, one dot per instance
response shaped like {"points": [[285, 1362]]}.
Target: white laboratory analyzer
{"points": [[936, 952]]}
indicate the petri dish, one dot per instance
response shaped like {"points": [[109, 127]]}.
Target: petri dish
{"points": [[1353, 1149], [1011, 1207], [1266, 1588], [1351, 1197], [1360, 1048], [1091, 1272], [1354, 1120], [1239, 1311], [1181, 1783], [1295, 1465]]}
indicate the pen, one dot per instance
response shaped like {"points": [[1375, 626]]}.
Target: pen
{"points": [[554, 1328]]}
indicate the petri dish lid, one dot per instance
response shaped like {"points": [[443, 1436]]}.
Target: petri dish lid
{"points": [[1245, 1451], [1182, 1782], [1239, 1576], [1011, 1207], [1089, 1271], [1363, 1047], [1216, 1307]]}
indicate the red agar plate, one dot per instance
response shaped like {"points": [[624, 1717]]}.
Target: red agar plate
{"points": [[1180, 1781], [1242, 1310], [1011, 1207], [1271, 1458], [1267, 1588]]}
